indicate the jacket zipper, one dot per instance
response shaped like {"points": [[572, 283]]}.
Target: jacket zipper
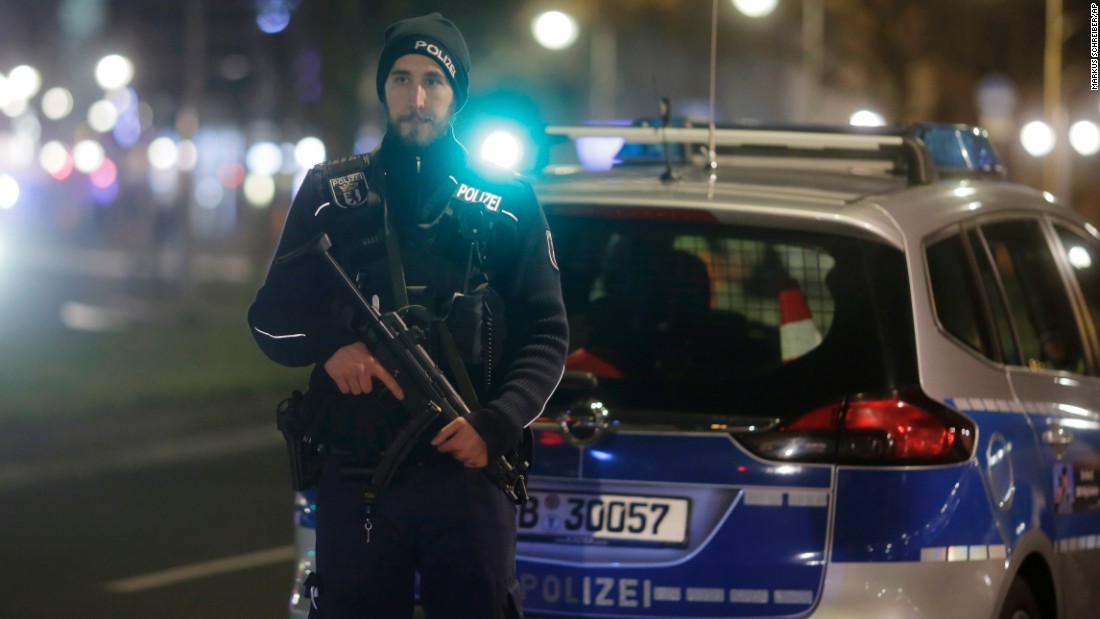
{"points": [[488, 349], [417, 205]]}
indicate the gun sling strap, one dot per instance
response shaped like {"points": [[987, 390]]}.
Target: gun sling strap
{"points": [[440, 331]]}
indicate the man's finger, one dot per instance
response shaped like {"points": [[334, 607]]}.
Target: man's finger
{"points": [[446, 433], [391, 383], [364, 383]]}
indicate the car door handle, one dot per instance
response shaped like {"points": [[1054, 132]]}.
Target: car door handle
{"points": [[1058, 436]]}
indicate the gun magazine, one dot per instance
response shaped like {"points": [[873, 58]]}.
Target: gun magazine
{"points": [[401, 446]]}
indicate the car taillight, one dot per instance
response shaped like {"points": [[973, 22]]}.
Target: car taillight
{"points": [[899, 428]]}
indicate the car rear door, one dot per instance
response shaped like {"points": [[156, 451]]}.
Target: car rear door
{"points": [[686, 335]]}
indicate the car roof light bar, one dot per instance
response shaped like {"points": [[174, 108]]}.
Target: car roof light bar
{"points": [[920, 168], [732, 137]]}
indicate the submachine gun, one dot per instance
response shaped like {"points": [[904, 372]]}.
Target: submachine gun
{"points": [[428, 393]]}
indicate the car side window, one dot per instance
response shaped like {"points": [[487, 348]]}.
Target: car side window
{"points": [[956, 295], [1083, 254], [1001, 321], [1037, 299]]}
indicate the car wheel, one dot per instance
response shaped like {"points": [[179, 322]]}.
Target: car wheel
{"points": [[1020, 602]]}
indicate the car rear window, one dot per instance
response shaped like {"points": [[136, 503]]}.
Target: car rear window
{"points": [[689, 315]]}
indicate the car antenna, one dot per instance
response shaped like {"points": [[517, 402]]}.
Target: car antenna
{"points": [[664, 112], [712, 162]]}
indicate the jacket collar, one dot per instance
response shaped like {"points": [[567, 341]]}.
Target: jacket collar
{"points": [[417, 178]]}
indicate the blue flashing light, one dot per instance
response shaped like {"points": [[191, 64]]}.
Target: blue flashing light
{"points": [[274, 16], [502, 148], [960, 149], [598, 154]]}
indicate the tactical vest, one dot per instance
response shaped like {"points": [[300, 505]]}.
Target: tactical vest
{"points": [[440, 276]]}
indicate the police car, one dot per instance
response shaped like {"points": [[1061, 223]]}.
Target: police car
{"points": [[814, 373]]}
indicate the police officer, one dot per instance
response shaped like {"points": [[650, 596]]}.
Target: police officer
{"points": [[417, 225]]}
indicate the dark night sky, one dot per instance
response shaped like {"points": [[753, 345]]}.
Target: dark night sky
{"points": [[317, 74]]}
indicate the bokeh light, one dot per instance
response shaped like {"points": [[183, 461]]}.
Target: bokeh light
{"points": [[598, 153], [17, 150], [264, 158], [1084, 136], [209, 192], [502, 148], [24, 82], [88, 155], [57, 103], [102, 116], [231, 174], [273, 16], [104, 195], [9, 191], [1079, 257], [106, 175], [309, 151], [756, 8], [187, 155], [15, 107], [56, 160], [123, 98], [555, 30], [867, 118], [163, 153], [114, 72], [1037, 138], [259, 190]]}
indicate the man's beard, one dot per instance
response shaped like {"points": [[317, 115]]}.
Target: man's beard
{"points": [[417, 130]]}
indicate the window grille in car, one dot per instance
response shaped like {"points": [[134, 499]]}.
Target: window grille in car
{"points": [[700, 315]]}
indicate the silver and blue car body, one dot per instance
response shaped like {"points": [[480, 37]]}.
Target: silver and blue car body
{"points": [[844, 435]]}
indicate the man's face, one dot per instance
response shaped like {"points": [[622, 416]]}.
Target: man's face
{"points": [[419, 100]]}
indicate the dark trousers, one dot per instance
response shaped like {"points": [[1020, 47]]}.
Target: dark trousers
{"points": [[446, 522]]}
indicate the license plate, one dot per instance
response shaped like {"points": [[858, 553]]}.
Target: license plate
{"points": [[613, 519]]}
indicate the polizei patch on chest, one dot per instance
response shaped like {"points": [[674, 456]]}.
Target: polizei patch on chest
{"points": [[350, 190], [474, 195]]}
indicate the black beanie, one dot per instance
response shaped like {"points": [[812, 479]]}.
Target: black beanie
{"points": [[433, 36]]}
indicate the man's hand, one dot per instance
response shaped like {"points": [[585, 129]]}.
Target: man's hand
{"points": [[354, 368], [461, 440]]}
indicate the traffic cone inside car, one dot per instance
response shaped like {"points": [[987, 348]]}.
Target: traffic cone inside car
{"points": [[797, 333]]}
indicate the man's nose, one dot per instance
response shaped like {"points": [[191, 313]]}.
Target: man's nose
{"points": [[419, 97]]}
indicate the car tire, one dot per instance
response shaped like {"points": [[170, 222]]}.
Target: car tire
{"points": [[1020, 603]]}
